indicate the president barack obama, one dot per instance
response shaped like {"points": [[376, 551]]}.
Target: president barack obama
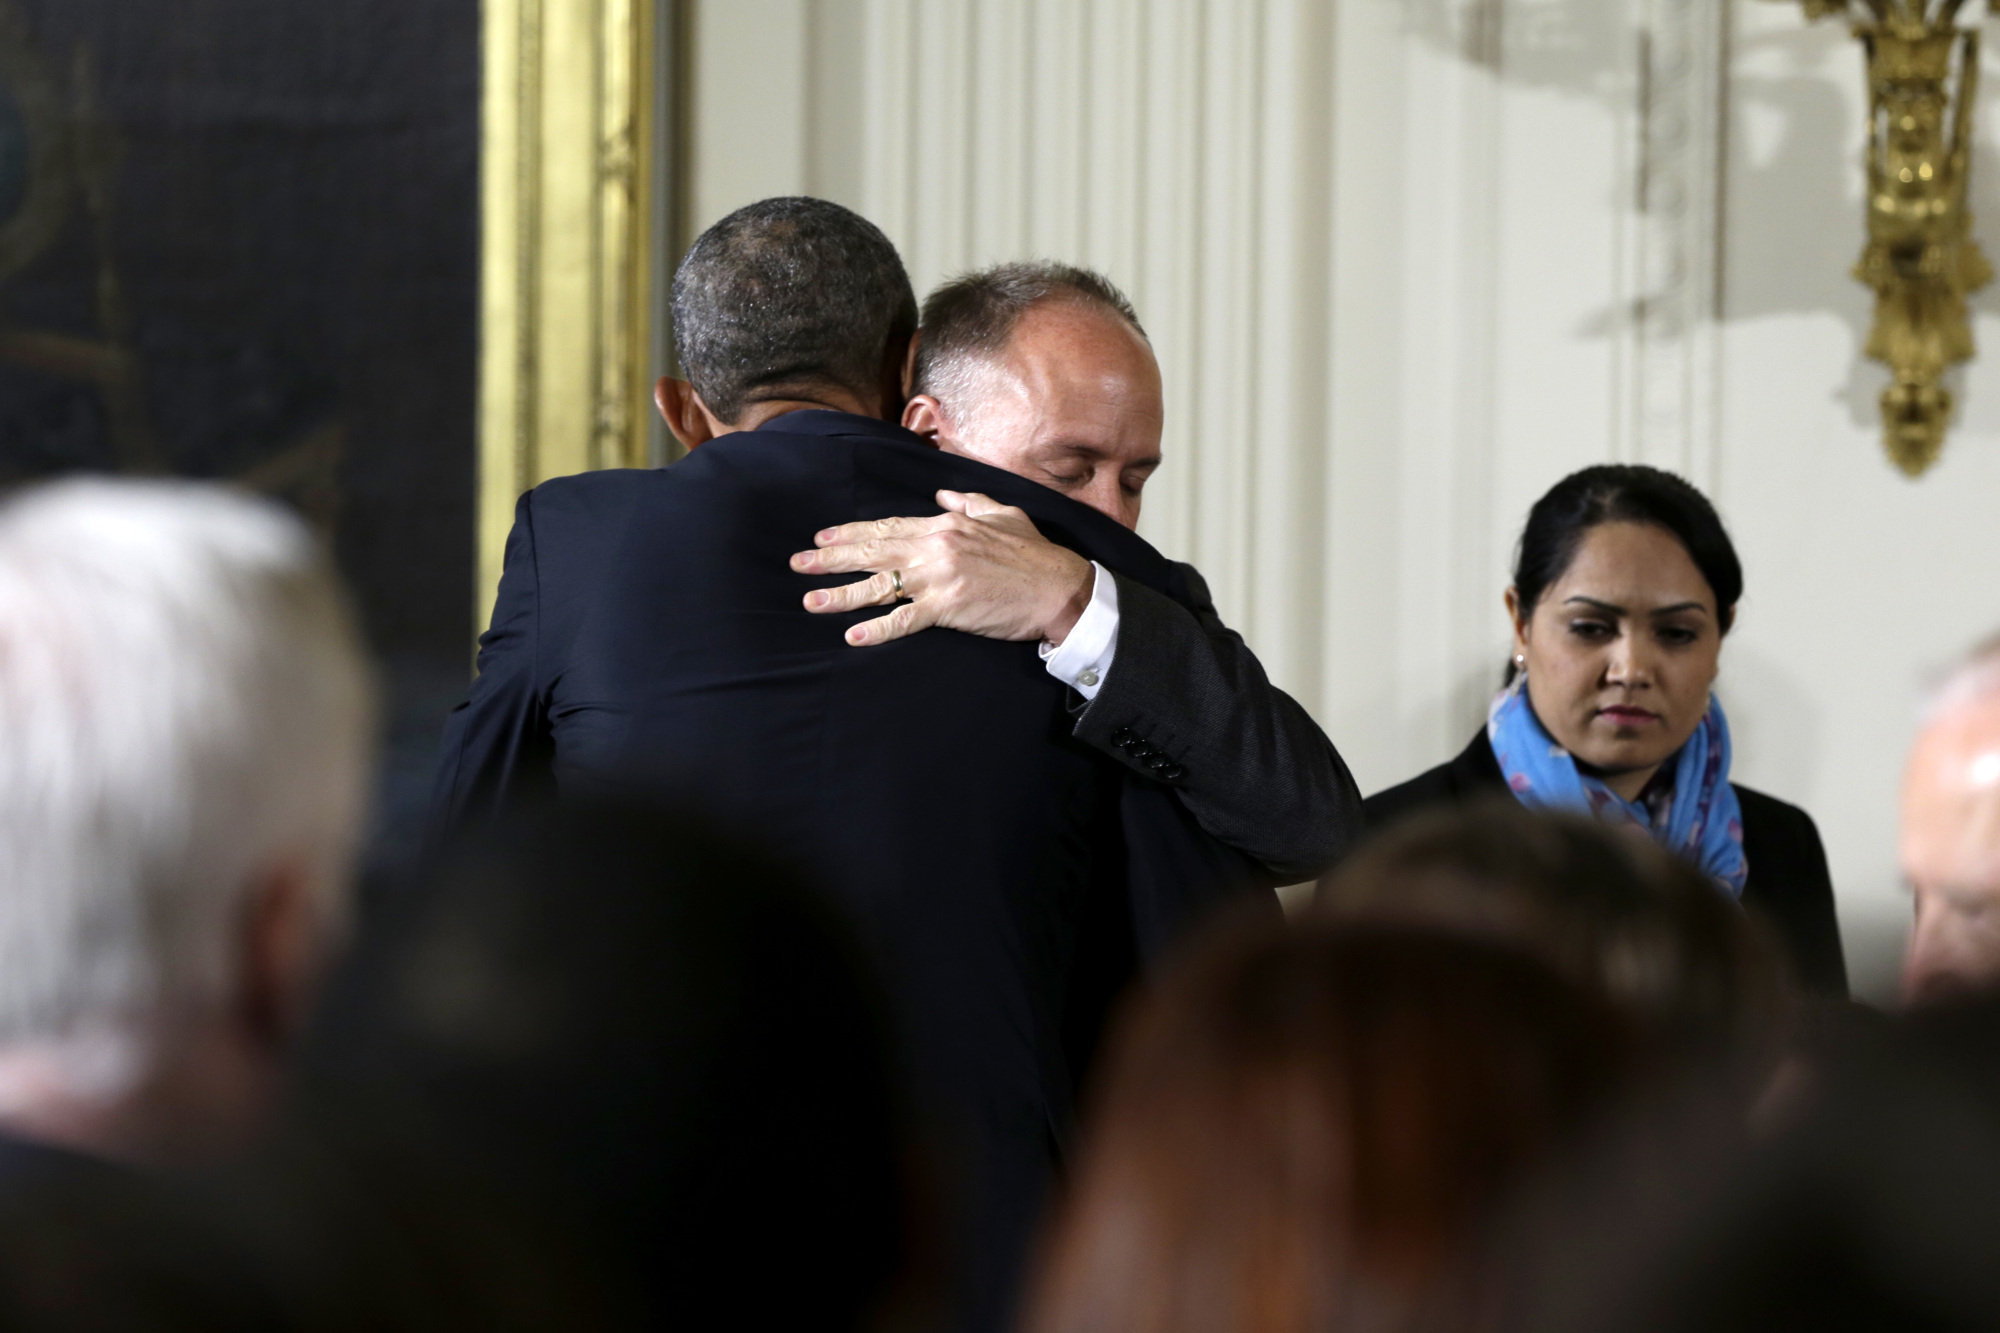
{"points": [[1013, 839]]}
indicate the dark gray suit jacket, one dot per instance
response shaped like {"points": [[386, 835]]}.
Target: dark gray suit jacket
{"points": [[1187, 702]]}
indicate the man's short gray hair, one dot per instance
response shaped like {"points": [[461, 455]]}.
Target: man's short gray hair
{"points": [[969, 321], [786, 295], [183, 705]]}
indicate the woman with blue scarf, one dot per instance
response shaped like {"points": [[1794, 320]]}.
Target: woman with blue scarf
{"points": [[1625, 586]]}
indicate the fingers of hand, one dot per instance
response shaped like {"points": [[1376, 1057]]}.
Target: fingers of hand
{"points": [[906, 619], [872, 554], [985, 509], [873, 591], [878, 529], [985, 506]]}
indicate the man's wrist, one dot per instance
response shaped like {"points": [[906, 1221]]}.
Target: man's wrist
{"points": [[1058, 627], [1085, 657]]}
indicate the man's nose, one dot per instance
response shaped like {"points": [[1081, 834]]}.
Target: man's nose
{"points": [[1933, 965], [1105, 496], [1928, 972]]}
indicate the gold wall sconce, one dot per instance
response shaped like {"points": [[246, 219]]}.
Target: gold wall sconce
{"points": [[1921, 259]]}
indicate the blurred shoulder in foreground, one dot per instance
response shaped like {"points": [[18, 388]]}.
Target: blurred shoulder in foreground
{"points": [[639, 1043], [1877, 1206]]}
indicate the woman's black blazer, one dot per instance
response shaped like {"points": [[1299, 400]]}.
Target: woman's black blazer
{"points": [[1788, 885]]}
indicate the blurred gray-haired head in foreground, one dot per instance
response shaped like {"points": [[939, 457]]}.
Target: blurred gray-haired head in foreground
{"points": [[188, 724]]}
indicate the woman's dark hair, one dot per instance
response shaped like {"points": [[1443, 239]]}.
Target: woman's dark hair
{"points": [[1308, 1128], [1624, 493]]}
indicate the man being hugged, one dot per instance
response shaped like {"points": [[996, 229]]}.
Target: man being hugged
{"points": [[1043, 370], [649, 637]]}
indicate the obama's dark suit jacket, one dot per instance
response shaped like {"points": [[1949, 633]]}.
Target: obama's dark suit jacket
{"points": [[1011, 855]]}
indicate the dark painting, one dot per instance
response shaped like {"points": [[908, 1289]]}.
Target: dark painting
{"points": [[239, 239]]}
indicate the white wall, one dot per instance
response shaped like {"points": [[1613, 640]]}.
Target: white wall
{"points": [[1406, 263]]}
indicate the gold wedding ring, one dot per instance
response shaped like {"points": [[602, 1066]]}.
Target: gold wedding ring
{"points": [[896, 582]]}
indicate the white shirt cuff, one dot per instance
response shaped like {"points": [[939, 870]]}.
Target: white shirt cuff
{"points": [[1083, 659]]}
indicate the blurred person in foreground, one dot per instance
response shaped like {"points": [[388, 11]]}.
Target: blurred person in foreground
{"points": [[1308, 1130], [649, 640], [608, 1069], [187, 726], [1625, 586], [1609, 910], [1950, 841], [1043, 370], [1875, 1205]]}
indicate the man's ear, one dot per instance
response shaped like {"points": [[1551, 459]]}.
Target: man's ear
{"points": [[685, 414], [923, 415], [897, 360], [283, 944], [910, 365]]}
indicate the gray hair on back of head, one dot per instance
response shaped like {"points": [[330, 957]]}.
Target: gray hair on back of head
{"points": [[185, 707], [969, 320], [786, 295]]}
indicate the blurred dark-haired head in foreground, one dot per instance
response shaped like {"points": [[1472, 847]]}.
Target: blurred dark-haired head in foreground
{"points": [[1609, 910], [1877, 1206], [608, 1055], [1307, 1128]]}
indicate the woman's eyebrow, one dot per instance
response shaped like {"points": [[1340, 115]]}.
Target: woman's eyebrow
{"points": [[1612, 608]]}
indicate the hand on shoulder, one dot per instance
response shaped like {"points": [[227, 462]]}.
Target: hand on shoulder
{"points": [[981, 567]]}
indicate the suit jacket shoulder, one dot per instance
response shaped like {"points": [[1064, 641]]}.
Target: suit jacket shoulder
{"points": [[576, 525], [1791, 887], [1473, 773]]}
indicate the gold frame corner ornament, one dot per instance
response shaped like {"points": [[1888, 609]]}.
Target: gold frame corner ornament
{"points": [[571, 202], [1921, 259]]}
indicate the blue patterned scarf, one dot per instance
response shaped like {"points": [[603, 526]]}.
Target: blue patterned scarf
{"points": [[1697, 818]]}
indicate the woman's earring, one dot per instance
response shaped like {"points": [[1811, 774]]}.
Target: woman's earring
{"points": [[1521, 662]]}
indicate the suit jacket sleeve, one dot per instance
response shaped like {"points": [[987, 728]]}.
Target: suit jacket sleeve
{"points": [[1187, 704], [497, 748], [1790, 887]]}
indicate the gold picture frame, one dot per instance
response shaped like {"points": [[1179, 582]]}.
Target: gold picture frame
{"points": [[575, 205]]}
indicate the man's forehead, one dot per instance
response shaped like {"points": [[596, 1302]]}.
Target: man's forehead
{"points": [[1951, 800], [1958, 751], [1074, 337]]}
